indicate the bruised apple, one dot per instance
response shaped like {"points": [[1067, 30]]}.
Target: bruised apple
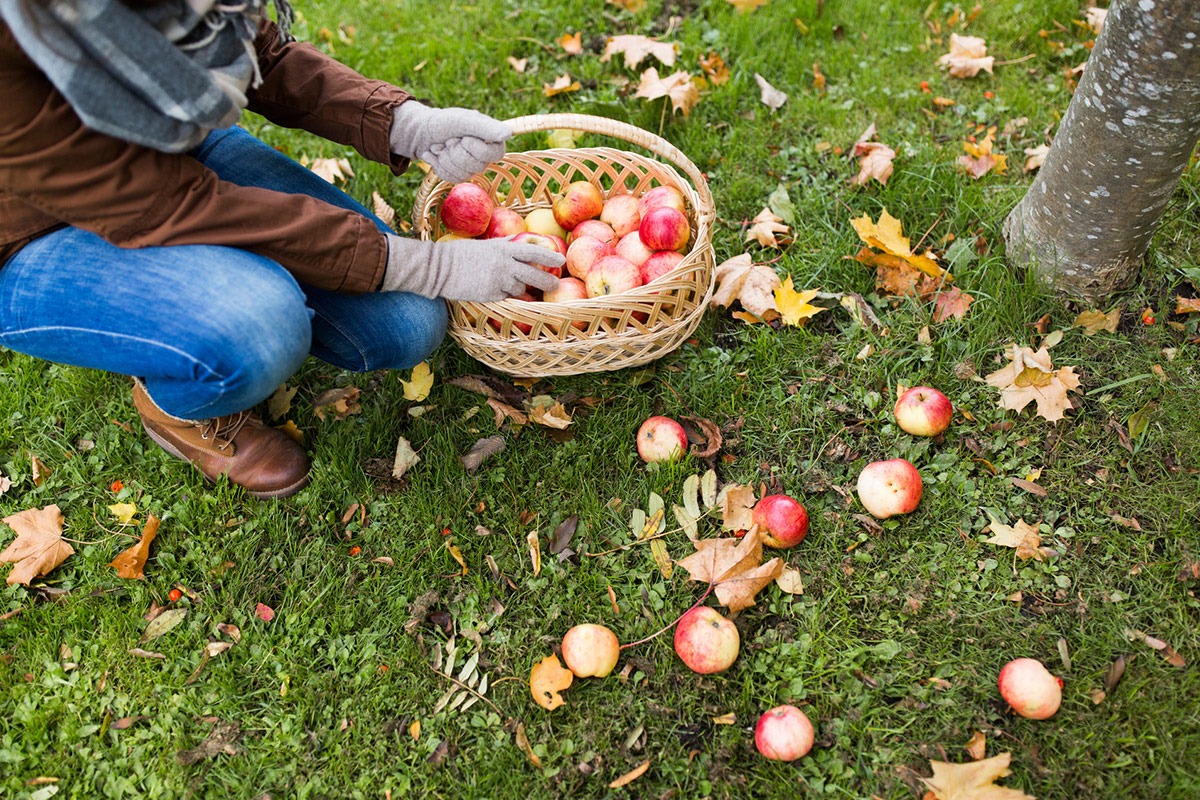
{"points": [[1030, 688], [887, 488], [590, 650], [467, 210], [783, 734]]}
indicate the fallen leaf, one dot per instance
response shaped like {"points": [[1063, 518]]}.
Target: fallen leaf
{"points": [[977, 746], [980, 158], [1031, 377], [39, 546], [333, 170], [1024, 537], [796, 308], [636, 48], [280, 403], [131, 562], [535, 551], [632, 6], [420, 382], [341, 402], [1036, 156], [737, 506], [571, 43], [734, 568], [746, 6], [223, 738], [382, 210], [5, 483], [1096, 17], [771, 97], [739, 279], [405, 458], [37, 470], [874, 162], [764, 227], [819, 83], [789, 581], [526, 747], [887, 235], [163, 623], [952, 302], [518, 64], [679, 87], [714, 68], [124, 512], [548, 412], [1187, 305], [502, 411], [457, 555], [967, 56], [482, 450], [563, 534], [547, 679], [640, 769], [140, 653], [974, 780], [562, 83], [264, 612]]}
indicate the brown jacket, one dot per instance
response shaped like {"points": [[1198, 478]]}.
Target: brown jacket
{"points": [[55, 172]]}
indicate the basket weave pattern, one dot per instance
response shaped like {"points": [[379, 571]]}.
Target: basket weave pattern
{"points": [[536, 339]]}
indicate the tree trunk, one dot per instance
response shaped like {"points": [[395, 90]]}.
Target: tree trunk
{"points": [[1089, 216]]}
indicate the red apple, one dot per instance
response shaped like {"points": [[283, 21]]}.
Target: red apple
{"points": [[781, 520], [659, 264], [584, 252], [661, 196], [579, 201], [590, 650], [504, 222], [1027, 686], [923, 411], [567, 289], [546, 240], [621, 212], [706, 641], [611, 275], [665, 228], [467, 210], [541, 220], [887, 488], [783, 734], [523, 327], [661, 439], [594, 228], [631, 248]]}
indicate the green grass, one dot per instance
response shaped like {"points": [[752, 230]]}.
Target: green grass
{"points": [[894, 647]]}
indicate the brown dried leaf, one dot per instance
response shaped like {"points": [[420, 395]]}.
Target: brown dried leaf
{"points": [[405, 458], [771, 97], [714, 68], [333, 170], [679, 87], [280, 403], [974, 780], [764, 227], [977, 746], [526, 747], [737, 506], [39, 546], [341, 402], [482, 450], [502, 411], [1031, 377], [636, 48], [1024, 537], [967, 56], [874, 162], [640, 769], [223, 738], [131, 562], [1187, 305], [739, 279], [734, 567]]}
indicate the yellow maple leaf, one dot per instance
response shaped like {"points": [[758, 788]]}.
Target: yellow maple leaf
{"points": [[547, 678], [1030, 377], [746, 6], [975, 780], [636, 48], [980, 160], [764, 227], [968, 55], [739, 279], [796, 307], [562, 83], [679, 87], [572, 44], [419, 384], [1023, 537], [39, 546], [887, 235]]}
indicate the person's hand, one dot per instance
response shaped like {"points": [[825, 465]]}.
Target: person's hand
{"points": [[456, 142], [483, 270]]}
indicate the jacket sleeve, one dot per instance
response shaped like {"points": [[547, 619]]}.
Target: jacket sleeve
{"points": [[304, 88], [134, 196]]}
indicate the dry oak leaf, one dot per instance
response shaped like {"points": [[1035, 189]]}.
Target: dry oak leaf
{"points": [[975, 780], [795, 307], [734, 567], [1186, 305], [1023, 537], [887, 235], [678, 86], [739, 279], [39, 546], [547, 678], [874, 161], [1031, 377], [980, 160], [131, 562], [1095, 321], [419, 384], [771, 97], [636, 48], [952, 302], [968, 55], [714, 67], [1036, 156], [562, 83], [764, 227]]}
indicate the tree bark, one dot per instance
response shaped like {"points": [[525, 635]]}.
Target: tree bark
{"points": [[1087, 220]]}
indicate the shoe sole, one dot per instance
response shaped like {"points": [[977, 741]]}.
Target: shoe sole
{"points": [[273, 494]]}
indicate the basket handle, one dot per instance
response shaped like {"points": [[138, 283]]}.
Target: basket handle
{"points": [[589, 123]]}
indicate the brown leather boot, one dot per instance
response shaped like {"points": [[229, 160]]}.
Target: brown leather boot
{"points": [[265, 462]]}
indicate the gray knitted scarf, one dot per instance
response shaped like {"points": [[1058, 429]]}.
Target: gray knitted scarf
{"points": [[161, 76]]}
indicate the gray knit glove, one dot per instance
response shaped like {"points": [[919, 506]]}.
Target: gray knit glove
{"points": [[483, 270], [456, 142]]}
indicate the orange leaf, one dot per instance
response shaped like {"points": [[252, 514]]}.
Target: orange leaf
{"points": [[952, 302], [631, 776], [734, 568], [714, 67], [547, 679], [1186, 305], [746, 6], [562, 83], [131, 562], [572, 44], [678, 86], [39, 546], [636, 48], [874, 161]]}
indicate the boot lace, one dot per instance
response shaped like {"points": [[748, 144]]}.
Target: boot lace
{"points": [[223, 430]]}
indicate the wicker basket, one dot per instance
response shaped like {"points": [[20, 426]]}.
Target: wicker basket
{"points": [[535, 339]]}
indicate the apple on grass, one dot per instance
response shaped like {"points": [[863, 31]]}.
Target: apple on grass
{"points": [[579, 201], [665, 228], [590, 650], [659, 197], [783, 734], [923, 411], [1030, 688], [504, 222], [584, 252], [621, 212], [631, 248], [782, 521], [594, 228], [887, 488], [467, 210], [541, 220], [661, 439], [611, 275], [707, 642], [659, 264]]}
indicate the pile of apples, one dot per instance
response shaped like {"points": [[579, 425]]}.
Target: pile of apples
{"points": [[611, 244]]}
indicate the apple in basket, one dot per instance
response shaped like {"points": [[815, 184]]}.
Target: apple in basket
{"points": [[523, 327], [547, 241], [594, 228], [665, 228], [541, 220], [504, 222], [566, 290], [632, 249], [584, 252], [659, 197], [621, 213], [612, 275], [467, 210], [660, 264], [581, 200]]}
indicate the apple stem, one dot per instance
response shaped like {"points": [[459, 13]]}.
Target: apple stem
{"points": [[656, 634]]}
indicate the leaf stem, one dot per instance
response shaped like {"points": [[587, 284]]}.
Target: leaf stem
{"points": [[465, 688], [656, 634]]}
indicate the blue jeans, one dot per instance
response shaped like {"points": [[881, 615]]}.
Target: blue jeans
{"points": [[212, 330]]}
